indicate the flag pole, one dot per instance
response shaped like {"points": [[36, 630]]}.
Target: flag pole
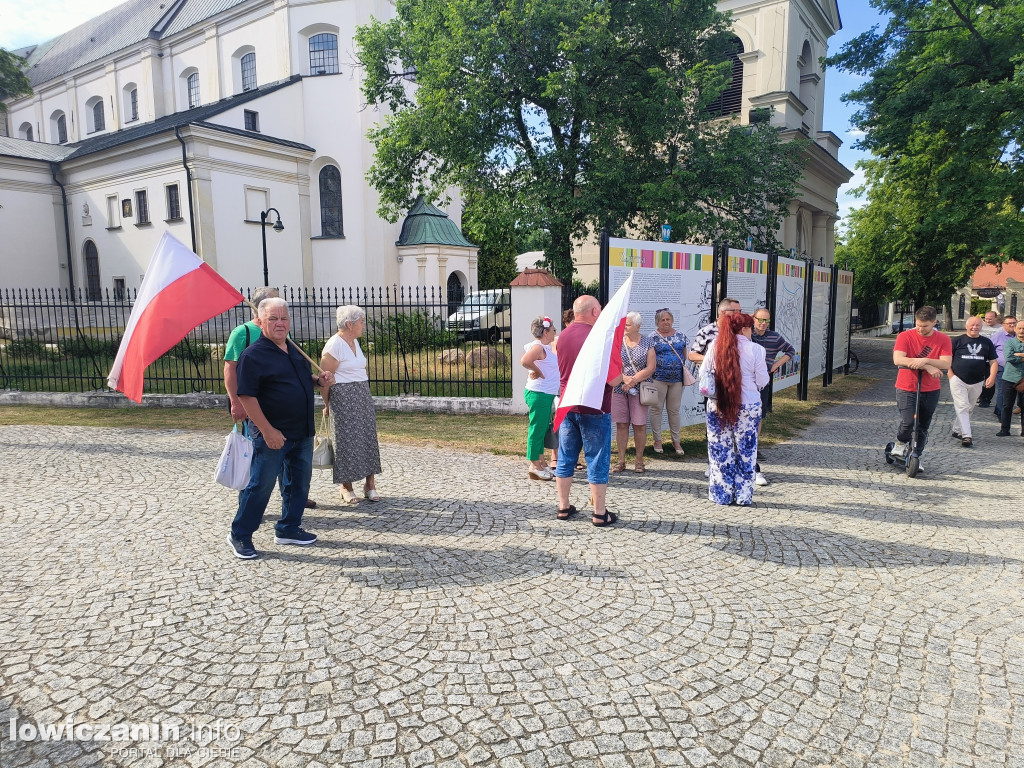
{"points": [[298, 349]]}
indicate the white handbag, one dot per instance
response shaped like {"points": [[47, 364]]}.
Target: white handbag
{"points": [[233, 468], [323, 446]]}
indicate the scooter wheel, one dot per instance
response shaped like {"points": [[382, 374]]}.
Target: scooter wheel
{"points": [[888, 453], [913, 465]]}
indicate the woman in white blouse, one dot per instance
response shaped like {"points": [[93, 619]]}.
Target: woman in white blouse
{"points": [[734, 412], [356, 450]]}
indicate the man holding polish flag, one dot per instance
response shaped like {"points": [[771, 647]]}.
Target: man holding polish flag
{"points": [[589, 357], [179, 292]]}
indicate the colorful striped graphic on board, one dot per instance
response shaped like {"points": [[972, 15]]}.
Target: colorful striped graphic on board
{"points": [[651, 259]]}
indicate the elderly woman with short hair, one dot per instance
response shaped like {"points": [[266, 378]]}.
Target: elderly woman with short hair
{"points": [[638, 364], [356, 451]]}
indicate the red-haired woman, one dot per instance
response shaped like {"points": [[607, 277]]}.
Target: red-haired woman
{"points": [[734, 413]]}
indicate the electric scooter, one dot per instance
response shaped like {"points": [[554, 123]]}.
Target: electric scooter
{"points": [[911, 460]]}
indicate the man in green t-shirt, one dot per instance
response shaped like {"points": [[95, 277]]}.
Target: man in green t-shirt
{"points": [[240, 338]]}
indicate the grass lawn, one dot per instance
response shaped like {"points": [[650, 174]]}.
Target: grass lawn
{"points": [[503, 435]]}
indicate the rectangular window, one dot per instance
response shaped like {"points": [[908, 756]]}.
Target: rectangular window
{"points": [[252, 121], [173, 203], [119, 289], [141, 207], [256, 201], [113, 212]]}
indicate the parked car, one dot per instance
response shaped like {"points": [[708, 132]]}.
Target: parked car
{"points": [[908, 323], [485, 315]]}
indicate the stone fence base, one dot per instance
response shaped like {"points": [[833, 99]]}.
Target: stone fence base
{"points": [[99, 399]]}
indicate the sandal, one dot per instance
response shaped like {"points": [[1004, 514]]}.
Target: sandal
{"points": [[679, 450], [608, 518], [620, 467], [349, 497], [639, 468], [565, 514], [659, 449], [371, 494]]}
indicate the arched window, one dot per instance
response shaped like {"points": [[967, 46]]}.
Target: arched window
{"points": [[730, 101], [62, 129], [130, 102], [25, 132], [92, 272], [248, 72], [192, 88], [456, 293], [96, 120], [331, 223], [323, 54]]}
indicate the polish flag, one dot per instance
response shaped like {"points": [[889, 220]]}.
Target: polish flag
{"points": [[179, 292], [600, 358]]}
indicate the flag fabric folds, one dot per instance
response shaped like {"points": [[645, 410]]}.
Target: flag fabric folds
{"points": [[178, 292], [600, 358]]}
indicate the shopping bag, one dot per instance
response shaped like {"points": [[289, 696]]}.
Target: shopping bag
{"points": [[235, 461], [707, 382], [323, 447]]}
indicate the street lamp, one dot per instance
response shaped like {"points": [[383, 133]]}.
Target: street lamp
{"points": [[278, 227]]}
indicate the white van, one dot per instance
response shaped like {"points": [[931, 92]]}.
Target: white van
{"points": [[485, 315]]}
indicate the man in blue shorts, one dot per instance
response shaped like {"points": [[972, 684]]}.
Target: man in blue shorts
{"points": [[586, 429]]}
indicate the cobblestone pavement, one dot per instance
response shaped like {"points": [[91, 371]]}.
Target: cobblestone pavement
{"points": [[851, 617]]}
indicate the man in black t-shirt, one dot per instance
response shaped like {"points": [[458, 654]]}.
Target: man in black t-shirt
{"points": [[974, 367]]}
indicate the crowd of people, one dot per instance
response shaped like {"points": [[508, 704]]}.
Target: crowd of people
{"points": [[270, 386], [738, 351]]}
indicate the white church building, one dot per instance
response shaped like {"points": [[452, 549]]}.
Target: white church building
{"points": [[215, 119], [196, 117]]}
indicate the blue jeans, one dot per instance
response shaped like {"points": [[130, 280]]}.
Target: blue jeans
{"points": [[591, 433], [294, 463]]}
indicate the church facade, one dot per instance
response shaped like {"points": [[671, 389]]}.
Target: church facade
{"points": [[216, 119]]}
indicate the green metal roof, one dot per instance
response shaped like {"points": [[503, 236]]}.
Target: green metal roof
{"points": [[425, 224]]}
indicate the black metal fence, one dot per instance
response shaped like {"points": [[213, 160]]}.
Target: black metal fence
{"points": [[54, 341]]}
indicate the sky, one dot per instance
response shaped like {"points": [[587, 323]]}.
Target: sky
{"points": [[23, 22]]}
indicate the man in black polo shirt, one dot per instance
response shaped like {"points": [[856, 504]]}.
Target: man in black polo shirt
{"points": [[276, 389]]}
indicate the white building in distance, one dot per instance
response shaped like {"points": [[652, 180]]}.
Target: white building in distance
{"points": [[196, 117]]}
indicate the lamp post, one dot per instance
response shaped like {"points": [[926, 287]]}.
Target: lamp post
{"points": [[278, 227]]}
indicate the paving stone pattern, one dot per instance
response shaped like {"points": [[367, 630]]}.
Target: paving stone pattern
{"points": [[851, 617]]}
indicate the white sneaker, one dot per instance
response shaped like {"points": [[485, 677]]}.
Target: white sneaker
{"points": [[760, 479], [899, 450], [539, 474]]}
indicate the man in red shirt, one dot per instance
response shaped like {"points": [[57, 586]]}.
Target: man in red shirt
{"points": [[923, 349], [583, 429]]}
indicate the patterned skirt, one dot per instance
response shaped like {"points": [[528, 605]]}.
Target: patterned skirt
{"points": [[356, 452]]}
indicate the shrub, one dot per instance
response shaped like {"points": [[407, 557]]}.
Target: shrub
{"points": [[980, 306], [84, 346], [27, 348], [409, 333], [189, 350], [312, 347]]}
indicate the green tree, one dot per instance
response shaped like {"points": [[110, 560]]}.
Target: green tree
{"points": [[942, 108], [13, 82], [594, 113]]}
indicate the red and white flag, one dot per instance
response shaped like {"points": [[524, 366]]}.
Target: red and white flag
{"points": [[179, 292], [600, 358]]}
